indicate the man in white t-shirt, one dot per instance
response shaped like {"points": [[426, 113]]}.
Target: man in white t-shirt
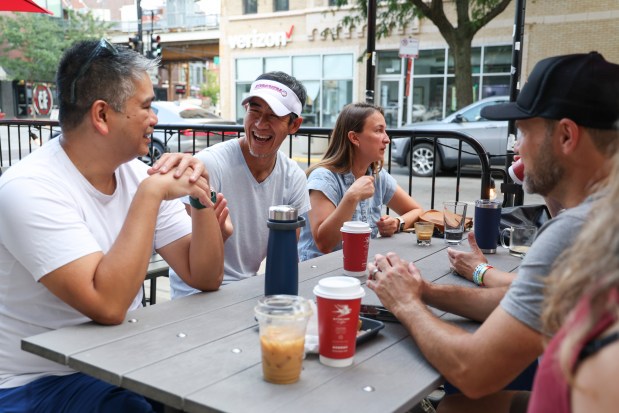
{"points": [[253, 174], [80, 219]]}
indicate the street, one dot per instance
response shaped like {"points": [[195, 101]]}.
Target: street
{"points": [[470, 183], [470, 188]]}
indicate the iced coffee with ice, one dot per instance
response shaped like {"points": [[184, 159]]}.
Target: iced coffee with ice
{"points": [[282, 321], [282, 355]]}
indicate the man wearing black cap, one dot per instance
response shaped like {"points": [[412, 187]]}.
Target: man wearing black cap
{"points": [[568, 118], [253, 174]]}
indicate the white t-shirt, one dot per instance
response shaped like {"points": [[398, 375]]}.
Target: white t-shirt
{"points": [[248, 202], [51, 215]]}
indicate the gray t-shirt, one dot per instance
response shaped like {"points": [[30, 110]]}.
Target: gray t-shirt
{"points": [[524, 298], [334, 186], [248, 202]]}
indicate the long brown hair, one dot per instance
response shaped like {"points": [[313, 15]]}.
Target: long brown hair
{"points": [[339, 155], [590, 268]]}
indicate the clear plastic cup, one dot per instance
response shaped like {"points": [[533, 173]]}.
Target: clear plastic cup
{"points": [[282, 320]]}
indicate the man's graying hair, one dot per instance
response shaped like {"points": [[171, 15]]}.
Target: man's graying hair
{"points": [[110, 77]]}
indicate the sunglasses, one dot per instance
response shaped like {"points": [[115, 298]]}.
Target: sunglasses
{"points": [[96, 52]]}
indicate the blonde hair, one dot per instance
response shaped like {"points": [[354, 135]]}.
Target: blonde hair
{"points": [[590, 268], [339, 155]]}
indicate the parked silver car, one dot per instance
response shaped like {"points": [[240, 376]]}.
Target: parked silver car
{"points": [[174, 140], [492, 135]]}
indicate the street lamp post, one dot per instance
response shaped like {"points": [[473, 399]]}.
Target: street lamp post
{"points": [[513, 193], [371, 52], [141, 42]]}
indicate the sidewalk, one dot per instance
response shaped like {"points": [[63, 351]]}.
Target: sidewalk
{"points": [[163, 289]]}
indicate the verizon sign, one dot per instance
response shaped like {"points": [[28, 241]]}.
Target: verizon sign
{"points": [[260, 40]]}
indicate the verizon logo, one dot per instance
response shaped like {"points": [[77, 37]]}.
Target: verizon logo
{"points": [[255, 39]]}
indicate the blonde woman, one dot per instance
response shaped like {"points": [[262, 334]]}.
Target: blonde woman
{"points": [[350, 184], [580, 367]]}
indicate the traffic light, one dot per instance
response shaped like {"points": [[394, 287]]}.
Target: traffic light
{"points": [[134, 43], [155, 46]]}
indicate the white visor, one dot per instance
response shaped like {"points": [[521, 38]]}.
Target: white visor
{"points": [[280, 98]]}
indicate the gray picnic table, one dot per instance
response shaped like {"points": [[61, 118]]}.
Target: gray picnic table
{"points": [[202, 353]]}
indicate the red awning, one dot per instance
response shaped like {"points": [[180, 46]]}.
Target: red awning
{"points": [[22, 6]]}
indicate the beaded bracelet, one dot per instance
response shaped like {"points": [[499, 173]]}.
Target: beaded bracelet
{"points": [[478, 273]]}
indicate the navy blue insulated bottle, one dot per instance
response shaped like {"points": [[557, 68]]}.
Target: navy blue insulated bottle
{"points": [[282, 266]]}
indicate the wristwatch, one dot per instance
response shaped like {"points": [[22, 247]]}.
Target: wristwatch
{"points": [[402, 223], [195, 202]]}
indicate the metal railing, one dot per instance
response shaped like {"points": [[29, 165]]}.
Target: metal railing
{"points": [[461, 139], [20, 137]]}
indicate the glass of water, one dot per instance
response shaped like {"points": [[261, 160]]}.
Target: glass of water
{"points": [[454, 215]]}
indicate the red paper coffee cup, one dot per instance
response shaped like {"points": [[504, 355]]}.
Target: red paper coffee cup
{"points": [[338, 301], [355, 245], [516, 171]]}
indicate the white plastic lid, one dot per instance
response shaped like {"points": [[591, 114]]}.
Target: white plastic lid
{"points": [[339, 288], [356, 227]]}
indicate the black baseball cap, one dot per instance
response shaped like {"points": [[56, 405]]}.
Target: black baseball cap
{"points": [[581, 87]]}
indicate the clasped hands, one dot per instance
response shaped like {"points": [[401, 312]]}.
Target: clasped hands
{"points": [[191, 168]]}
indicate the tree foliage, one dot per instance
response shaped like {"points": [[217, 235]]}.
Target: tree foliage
{"points": [[40, 41], [469, 15], [211, 87]]}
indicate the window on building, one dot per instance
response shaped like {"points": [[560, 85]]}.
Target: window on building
{"points": [[432, 93], [196, 71], [335, 2], [250, 6], [328, 80], [434, 79], [497, 59], [307, 70], [280, 5], [279, 63], [336, 86], [389, 63], [185, 14]]}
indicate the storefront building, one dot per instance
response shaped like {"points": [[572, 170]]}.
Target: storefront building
{"points": [[301, 38]]}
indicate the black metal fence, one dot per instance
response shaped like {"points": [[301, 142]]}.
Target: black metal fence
{"points": [[18, 138]]}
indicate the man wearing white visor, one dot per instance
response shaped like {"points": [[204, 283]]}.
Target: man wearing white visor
{"points": [[253, 174]]}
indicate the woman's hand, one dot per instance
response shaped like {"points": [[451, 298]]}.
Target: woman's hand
{"points": [[362, 188], [387, 225]]}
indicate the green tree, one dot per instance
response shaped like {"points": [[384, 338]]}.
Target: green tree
{"points": [[211, 87], [470, 17], [40, 41]]}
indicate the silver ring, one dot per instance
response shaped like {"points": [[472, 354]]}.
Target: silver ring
{"points": [[373, 273]]}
